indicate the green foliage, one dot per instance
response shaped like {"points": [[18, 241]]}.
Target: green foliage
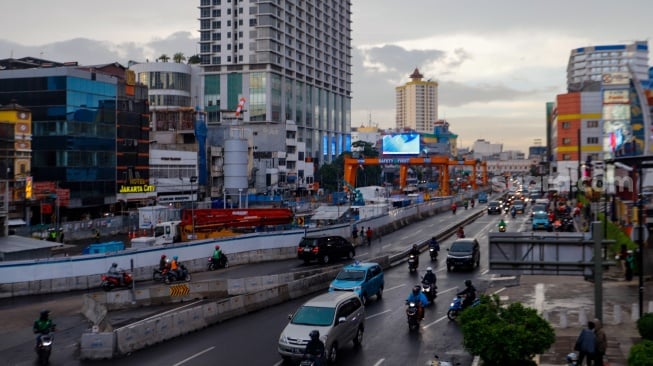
{"points": [[645, 326], [506, 336], [641, 354]]}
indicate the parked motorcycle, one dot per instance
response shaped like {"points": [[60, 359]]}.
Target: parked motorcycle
{"points": [[109, 282], [223, 262], [457, 306], [44, 348], [430, 290], [433, 253], [412, 315], [182, 274], [412, 263]]}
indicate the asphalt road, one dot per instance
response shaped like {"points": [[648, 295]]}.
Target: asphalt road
{"points": [[252, 339]]}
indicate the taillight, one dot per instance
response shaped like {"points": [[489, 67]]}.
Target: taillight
{"points": [[316, 249]]}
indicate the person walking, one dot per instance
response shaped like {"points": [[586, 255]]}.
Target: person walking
{"points": [[354, 234], [601, 343], [586, 344], [369, 235]]}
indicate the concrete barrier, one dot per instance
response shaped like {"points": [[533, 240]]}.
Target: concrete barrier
{"points": [[97, 346], [93, 310]]}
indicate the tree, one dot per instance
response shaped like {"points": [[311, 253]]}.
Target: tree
{"points": [[164, 58], [331, 175], [371, 174], [506, 336], [178, 57], [194, 59]]}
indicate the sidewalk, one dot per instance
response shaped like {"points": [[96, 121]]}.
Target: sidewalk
{"points": [[567, 302]]}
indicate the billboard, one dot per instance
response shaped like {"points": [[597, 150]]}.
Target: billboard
{"points": [[401, 144]]}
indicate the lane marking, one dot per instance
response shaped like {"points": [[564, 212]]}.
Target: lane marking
{"points": [[499, 290], [278, 363], [379, 362], [435, 322], [395, 287], [377, 314], [193, 356]]}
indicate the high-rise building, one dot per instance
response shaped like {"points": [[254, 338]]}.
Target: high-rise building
{"points": [[587, 65], [417, 104], [289, 61]]}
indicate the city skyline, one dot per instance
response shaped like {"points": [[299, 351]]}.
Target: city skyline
{"points": [[497, 64]]}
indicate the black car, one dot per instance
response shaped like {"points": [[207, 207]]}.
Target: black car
{"points": [[324, 248], [494, 207], [464, 252]]}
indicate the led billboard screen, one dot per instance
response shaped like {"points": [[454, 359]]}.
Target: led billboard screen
{"points": [[401, 144]]}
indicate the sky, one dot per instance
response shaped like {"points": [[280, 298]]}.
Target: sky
{"points": [[497, 62]]}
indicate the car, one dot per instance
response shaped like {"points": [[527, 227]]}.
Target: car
{"points": [[538, 207], [324, 248], [339, 316], [519, 206], [365, 279], [541, 221], [464, 252], [482, 197], [494, 207]]}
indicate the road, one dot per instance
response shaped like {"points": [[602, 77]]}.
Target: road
{"points": [[252, 339]]}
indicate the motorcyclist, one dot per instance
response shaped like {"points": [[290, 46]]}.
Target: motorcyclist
{"points": [[429, 277], [174, 266], [217, 256], [43, 325], [453, 208], [315, 348], [502, 224], [433, 244], [415, 251], [513, 211], [461, 232], [468, 294], [163, 263], [418, 297], [465, 204], [472, 202], [114, 272]]}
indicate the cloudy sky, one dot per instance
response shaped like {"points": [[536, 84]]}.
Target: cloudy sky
{"points": [[497, 62]]}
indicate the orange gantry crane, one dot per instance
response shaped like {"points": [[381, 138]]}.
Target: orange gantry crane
{"points": [[443, 162]]}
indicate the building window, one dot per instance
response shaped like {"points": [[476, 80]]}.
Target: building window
{"points": [[592, 124], [566, 141], [566, 157], [592, 140], [566, 125]]}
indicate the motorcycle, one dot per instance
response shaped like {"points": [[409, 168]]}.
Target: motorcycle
{"points": [[430, 291], [457, 306], [437, 362], [44, 348], [110, 282], [412, 315], [182, 275], [502, 228], [412, 263], [309, 360], [572, 359], [223, 262], [453, 209], [433, 253]]}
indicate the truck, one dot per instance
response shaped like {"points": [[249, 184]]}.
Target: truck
{"points": [[212, 223]]}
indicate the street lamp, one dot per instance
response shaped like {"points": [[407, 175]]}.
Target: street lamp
{"points": [[193, 179], [240, 192]]}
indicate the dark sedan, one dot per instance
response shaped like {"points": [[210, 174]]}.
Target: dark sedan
{"points": [[494, 208]]}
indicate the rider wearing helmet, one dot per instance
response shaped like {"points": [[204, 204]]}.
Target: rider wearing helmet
{"points": [[315, 347], [469, 293], [43, 325], [174, 266], [113, 272], [429, 277], [461, 232], [217, 255], [415, 251], [418, 297], [163, 263], [433, 243]]}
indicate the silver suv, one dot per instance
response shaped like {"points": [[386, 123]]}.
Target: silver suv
{"points": [[338, 316]]}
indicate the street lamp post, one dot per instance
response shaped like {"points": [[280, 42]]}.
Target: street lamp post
{"points": [[571, 194], [240, 192], [193, 179]]}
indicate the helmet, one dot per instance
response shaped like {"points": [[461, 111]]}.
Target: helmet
{"points": [[217, 247], [414, 246], [429, 269], [468, 283], [163, 256], [416, 289], [175, 258], [114, 264], [45, 314], [315, 334]]}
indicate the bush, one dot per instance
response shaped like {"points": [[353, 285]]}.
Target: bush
{"points": [[645, 326], [509, 336], [641, 354]]}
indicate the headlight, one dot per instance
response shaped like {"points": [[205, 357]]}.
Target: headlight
{"points": [[282, 338], [468, 257], [331, 288], [357, 288], [451, 305]]}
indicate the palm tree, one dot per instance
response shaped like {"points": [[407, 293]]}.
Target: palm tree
{"points": [[178, 57], [164, 57]]}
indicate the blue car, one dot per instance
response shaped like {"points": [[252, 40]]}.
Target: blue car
{"points": [[365, 279], [541, 221]]}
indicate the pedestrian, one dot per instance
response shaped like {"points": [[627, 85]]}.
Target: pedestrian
{"points": [[362, 235], [586, 344], [623, 254], [369, 235], [354, 234], [630, 265], [601, 343]]}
